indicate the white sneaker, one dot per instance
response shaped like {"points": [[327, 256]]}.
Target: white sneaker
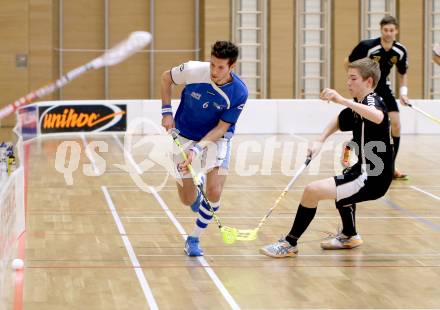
{"points": [[341, 241]]}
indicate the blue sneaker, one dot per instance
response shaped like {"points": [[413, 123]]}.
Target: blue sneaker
{"points": [[192, 247]]}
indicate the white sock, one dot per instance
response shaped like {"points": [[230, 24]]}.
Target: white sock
{"points": [[204, 218]]}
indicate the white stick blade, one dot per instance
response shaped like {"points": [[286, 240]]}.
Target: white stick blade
{"points": [[135, 42]]}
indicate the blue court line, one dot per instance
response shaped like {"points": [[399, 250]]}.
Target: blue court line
{"points": [[395, 206]]}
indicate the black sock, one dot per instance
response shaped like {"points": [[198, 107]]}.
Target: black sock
{"points": [[303, 218], [396, 144], [348, 216]]}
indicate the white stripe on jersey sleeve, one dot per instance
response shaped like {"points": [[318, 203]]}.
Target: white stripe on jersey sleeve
{"points": [[373, 49], [399, 51], [191, 72], [400, 45], [196, 72]]}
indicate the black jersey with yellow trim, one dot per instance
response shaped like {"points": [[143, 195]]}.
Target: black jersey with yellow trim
{"points": [[373, 49]]}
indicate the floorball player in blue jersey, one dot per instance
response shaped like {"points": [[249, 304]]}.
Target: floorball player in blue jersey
{"points": [[210, 105]]}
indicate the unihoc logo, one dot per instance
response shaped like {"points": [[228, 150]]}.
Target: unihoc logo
{"points": [[196, 95], [83, 117]]}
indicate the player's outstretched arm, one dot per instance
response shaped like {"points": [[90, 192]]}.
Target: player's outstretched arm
{"points": [[316, 145], [211, 137], [214, 134], [369, 112]]}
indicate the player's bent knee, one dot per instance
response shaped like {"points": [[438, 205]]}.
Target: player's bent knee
{"points": [[213, 193], [396, 126], [311, 192], [188, 198]]}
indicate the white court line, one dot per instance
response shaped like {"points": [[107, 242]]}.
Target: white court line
{"points": [[308, 255], [116, 189], [299, 137], [284, 217], [281, 172], [89, 156], [130, 157], [228, 297], [232, 303], [134, 261], [335, 172], [425, 192], [130, 188], [118, 141], [275, 187], [230, 189]]}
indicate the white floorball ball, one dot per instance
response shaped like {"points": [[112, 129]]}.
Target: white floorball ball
{"points": [[17, 264]]}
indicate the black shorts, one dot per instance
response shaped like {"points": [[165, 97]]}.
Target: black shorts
{"points": [[387, 95], [354, 187]]}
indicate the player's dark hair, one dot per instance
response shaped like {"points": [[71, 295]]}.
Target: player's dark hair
{"points": [[389, 20], [367, 68], [225, 50]]}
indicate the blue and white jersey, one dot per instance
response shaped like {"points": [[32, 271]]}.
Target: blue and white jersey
{"points": [[203, 103]]}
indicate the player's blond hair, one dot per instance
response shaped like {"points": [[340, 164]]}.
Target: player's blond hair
{"points": [[367, 68]]}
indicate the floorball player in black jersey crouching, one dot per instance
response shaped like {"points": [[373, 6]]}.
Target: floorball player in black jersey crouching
{"points": [[368, 179]]}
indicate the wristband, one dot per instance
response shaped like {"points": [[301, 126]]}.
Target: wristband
{"points": [[167, 110], [403, 91], [197, 149]]}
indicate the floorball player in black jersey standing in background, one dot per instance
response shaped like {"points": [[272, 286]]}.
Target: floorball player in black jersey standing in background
{"points": [[388, 52]]}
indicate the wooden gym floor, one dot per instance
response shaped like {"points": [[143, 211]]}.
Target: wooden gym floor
{"points": [[103, 243]]}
